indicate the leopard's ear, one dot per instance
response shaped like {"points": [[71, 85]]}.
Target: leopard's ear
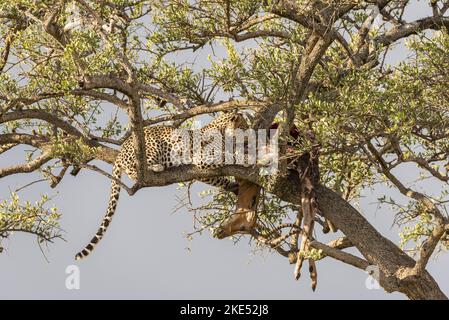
{"points": [[239, 120], [236, 116]]}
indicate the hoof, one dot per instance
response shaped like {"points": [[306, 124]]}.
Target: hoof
{"points": [[297, 274]]}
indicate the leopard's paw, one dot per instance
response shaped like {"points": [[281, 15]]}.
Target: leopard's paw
{"points": [[157, 167]]}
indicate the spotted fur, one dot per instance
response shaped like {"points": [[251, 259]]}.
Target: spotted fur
{"points": [[159, 145]]}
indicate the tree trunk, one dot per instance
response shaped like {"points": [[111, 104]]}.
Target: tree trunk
{"points": [[395, 266]]}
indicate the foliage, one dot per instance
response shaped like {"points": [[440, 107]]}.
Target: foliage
{"points": [[31, 218]]}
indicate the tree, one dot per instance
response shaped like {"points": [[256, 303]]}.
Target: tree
{"points": [[79, 77]]}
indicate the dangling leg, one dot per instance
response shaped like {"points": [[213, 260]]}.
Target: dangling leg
{"points": [[309, 209], [313, 273], [307, 229]]}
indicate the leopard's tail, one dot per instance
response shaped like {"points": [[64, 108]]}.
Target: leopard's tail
{"points": [[113, 200]]}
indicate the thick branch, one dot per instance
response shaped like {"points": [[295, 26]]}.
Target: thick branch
{"points": [[207, 108], [22, 138], [26, 167], [5, 52], [153, 91], [405, 30], [340, 255], [41, 115], [101, 96], [428, 247]]}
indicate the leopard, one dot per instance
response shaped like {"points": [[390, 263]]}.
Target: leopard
{"points": [[162, 144]]}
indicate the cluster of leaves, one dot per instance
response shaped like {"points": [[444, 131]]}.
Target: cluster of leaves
{"points": [[416, 223], [417, 231], [401, 105], [216, 210], [272, 211], [403, 113], [50, 67], [350, 107], [314, 254], [73, 151], [185, 24], [31, 218], [261, 72], [262, 67]]}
